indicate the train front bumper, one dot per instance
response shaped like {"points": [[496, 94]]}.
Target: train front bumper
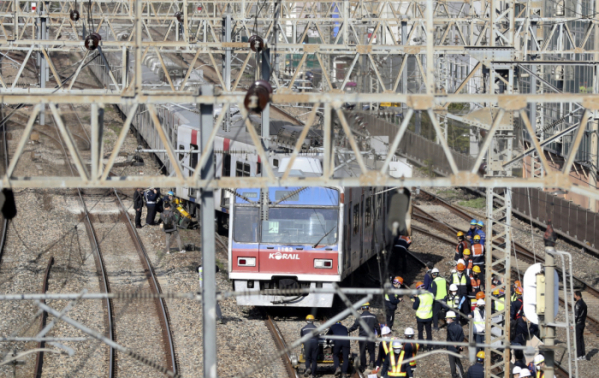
{"points": [[310, 300]]}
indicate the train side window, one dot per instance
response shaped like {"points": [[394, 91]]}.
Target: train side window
{"points": [[242, 169], [181, 154], [226, 164], [356, 218], [193, 158], [368, 212]]}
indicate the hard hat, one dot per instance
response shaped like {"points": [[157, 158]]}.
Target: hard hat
{"points": [[516, 370], [519, 290], [435, 271], [310, 317], [461, 261], [517, 283], [476, 269], [496, 292], [461, 267], [460, 233], [396, 345], [450, 314], [170, 193], [480, 223], [480, 302], [398, 280], [366, 305], [524, 373], [466, 252], [453, 287], [480, 295], [419, 284], [409, 331], [385, 331], [481, 355], [473, 222], [476, 237], [539, 359]]}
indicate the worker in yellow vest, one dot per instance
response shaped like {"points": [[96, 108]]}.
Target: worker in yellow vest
{"points": [[423, 304], [439, 289], [394, 365]]}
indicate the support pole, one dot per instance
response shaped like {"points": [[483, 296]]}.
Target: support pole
{"points": [[549, 310], [208, 253], [226, 37], [265, 134]]}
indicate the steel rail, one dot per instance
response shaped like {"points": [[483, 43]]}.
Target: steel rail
{"points": [[169, 347], [104, 287], [277, 336], [39, 359]]}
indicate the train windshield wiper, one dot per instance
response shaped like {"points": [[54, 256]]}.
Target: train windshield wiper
{"points": [[324, 236]]}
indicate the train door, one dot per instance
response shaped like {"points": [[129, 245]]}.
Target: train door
{"points": [[347, 246]]}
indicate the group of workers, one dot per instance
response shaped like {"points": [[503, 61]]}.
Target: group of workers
{"points": [[462, 297]]}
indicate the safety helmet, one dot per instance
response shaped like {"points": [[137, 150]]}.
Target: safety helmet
{"points": [[476, 237], [498, 293], [480, 295], [310, 317], [396, 345], [480, 223], [398, 280], [466, 252], [170, 193], [409, 331], [366, 305], [450, 315], [481, 355], [524, 373], [516, 370], [419, 285], [476, 269], [435, 271], [460, 233], [519, 290], [480, 302], [461, 267], [517, 283], [453, 287], [539, 359], [385, 331], [473, 222], [461, 261]]}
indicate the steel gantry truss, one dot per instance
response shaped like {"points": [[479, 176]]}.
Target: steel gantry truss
{"points": [[499, 37]]}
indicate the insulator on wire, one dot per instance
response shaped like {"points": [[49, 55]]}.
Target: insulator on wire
{"points": [[258, 96], [179, 16], [256, 43], [74, 15], [92, 41]]}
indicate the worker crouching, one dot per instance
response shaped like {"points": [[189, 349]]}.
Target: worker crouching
{"points": [[340, 346]]}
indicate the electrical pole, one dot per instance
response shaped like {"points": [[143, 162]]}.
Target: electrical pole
{"points": [[226, 37], [208, 253], [43, 65]]}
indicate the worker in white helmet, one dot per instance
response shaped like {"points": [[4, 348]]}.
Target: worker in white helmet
{"points": [[411, 348], [384, 347], [454, 334], [479, 315], [394, 365]]}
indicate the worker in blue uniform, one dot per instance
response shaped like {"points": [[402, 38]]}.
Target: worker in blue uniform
{"points": [[310, 347], [472, 230], [428, 276], [391, 302], [340, 346], [478, 370], [480, 232], [371, 322], [151, 195], [401, 244]]}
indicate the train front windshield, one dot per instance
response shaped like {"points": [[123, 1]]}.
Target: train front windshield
{"points": [[300, 226]]}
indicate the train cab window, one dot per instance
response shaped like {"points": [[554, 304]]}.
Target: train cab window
{"points": [[368, 212], [258, 169], [275, 163], [193, 158], [242, 169], [246, 224], [356, 218], [226, 164]]}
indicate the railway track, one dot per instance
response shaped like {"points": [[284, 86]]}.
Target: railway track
{"points": [[39, 359], [523, 255]]}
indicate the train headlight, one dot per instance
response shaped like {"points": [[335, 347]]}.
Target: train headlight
{"points": [[323, 264], [246, 261]]}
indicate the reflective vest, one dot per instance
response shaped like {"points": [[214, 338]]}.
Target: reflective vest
{"points": [[453, 302], [441, 288], [514, 297], [499, 304], [540, 374], [477, 251], [415, 349], [385, 347], [425, 309], [396, 369], [479, 321], [463, 244], [475, 284], [582, 89], [458, 281], [469, 264], [406, 239]]}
